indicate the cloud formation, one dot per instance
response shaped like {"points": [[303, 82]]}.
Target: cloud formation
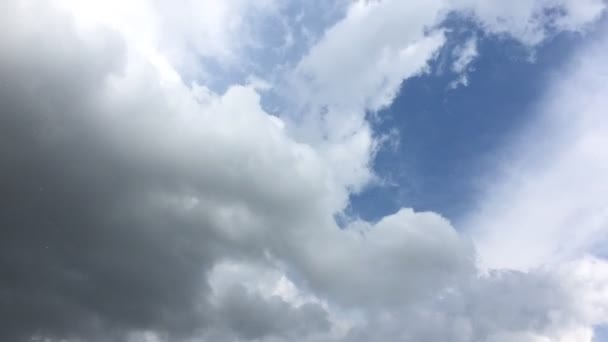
{"points": [[139, 208], [549, 194]]}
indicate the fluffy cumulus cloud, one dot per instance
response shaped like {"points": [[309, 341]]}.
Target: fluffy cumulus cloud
{"points": [[137, 206]]}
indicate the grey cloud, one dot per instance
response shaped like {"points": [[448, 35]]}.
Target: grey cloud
{"points": [[505, 306], [402, 259], [252, 317], [81, 252], [113, 209]]}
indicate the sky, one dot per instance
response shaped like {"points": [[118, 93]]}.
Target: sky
{"points": [[309, 171]]}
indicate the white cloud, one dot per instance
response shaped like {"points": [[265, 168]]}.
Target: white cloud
{"points": [[180, 35], [362, 60], [464, 56], [549, 202], [531, 21]]}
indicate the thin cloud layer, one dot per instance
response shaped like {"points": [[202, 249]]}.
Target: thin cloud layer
{"points": [[550, 192], [139, 208]]}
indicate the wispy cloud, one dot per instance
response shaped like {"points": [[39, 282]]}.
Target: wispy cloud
{"points": [[549, 200]]}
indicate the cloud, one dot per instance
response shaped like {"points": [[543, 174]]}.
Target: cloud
{"points": [[125, 190], [374, 58], [106, 173], [359, 64], [252, 317], [362, 60], [549, 194], [542, 305], [532, 21], [190, 37], [464, 56], [137, 208]]}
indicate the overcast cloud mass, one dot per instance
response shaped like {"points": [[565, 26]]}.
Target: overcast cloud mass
{"points": [[181, 171]]}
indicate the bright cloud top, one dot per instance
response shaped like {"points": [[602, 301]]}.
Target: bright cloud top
{"points": [[143, 207]]}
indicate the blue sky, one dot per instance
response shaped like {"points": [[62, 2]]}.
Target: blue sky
{"points": [[448, 138], [308, 171]]}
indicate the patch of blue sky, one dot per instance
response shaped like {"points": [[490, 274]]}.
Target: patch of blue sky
{"points": [[448, 138], [281, 39], [601, 334]]}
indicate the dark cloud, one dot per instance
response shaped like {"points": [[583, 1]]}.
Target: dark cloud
{"points": [[83, 250], [113, 211]]}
